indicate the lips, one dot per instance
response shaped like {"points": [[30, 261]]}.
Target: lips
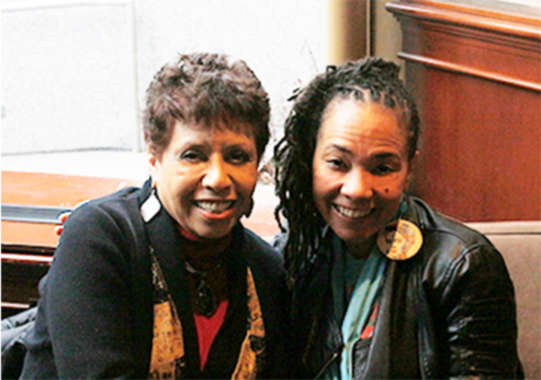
{"points": [[215, 207], [352, 213]]}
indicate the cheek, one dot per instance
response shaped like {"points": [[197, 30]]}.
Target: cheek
{"points": [[322, 177], [318, 186], [324, 190], [392, 189], [179, 188], [176, 199], [246, 180]]}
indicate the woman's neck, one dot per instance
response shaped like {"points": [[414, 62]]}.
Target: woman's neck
{"points": [[204, 254], [360, 250]]}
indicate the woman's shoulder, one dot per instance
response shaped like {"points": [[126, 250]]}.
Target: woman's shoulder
{"points": [[262, 258], [260, 249], [109, 221], [451, 248], [123, 204], [441, 229]]}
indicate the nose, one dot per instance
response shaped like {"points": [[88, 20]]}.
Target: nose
{"points": [[357, 184], [217, 177]]}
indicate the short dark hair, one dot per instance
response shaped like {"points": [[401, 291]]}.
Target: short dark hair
{"points": [[202, 88], [370, 79]]}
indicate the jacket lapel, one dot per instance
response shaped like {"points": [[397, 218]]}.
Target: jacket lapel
{"points": [[394, 349], [166, 241]]}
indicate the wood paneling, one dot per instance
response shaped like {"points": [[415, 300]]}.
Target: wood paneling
{"points": [[476, 75]]}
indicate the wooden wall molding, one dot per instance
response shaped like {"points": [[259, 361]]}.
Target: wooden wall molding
{"points": [[469, 40], [476, 76], [471, 71], [467, 15]]}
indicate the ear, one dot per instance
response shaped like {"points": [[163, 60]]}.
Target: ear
{"points": [[154, 163]]}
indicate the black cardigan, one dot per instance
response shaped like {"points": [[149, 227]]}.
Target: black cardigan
{"points": [[96, 310]]}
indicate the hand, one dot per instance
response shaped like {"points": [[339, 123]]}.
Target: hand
{"points": [[65, 215]]}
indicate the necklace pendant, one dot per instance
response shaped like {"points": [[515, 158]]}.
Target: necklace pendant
{"points": [[205, 300]]}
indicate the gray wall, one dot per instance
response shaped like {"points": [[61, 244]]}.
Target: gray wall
{"points": [[74, 73]]}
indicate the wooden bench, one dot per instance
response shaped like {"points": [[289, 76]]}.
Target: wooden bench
{"points": [[31, 203]]}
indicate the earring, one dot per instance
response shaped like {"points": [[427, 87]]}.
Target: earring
{"points": [[400, 240]]}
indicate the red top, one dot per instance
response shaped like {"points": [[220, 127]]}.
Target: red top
{"points": [[207, 328]]}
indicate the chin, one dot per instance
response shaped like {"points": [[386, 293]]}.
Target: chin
{"points": [[355, 237], [214, 233]]}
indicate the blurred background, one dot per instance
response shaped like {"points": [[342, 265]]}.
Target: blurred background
{"points": [[74, 73]]}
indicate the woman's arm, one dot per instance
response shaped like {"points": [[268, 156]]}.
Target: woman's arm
{"points": [[480, 315], [87, 300]]}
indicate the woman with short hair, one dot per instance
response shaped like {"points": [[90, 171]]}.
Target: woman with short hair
{"points": [[163, 281]]}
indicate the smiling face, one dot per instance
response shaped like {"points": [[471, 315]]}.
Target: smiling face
{"points": [[206, 176], [360, 169]]}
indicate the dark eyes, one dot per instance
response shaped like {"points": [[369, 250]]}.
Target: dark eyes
{"points": [[234, 156], [383, 169], [238, 156], [378, 169], [337, 163], [193, 156]]}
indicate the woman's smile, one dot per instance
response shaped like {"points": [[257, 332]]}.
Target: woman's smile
{"points": [[206, 176], [216, 211], [352, 213], [214, 207], [360, 168]]}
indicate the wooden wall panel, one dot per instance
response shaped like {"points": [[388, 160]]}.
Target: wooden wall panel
{"points": [[477, 78]]}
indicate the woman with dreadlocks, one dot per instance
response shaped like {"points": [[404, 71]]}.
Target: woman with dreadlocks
{"points": [[383, 286]]}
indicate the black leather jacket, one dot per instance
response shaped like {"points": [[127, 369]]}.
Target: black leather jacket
{"points": [[448, 312]]}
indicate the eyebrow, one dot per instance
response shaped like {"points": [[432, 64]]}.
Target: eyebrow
{"points": [[382, 155], [241, 145], [189, 146], [192, 145], [339, 148]]}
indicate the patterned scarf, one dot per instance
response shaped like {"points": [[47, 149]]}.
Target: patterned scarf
{"points": [[168, 359]]}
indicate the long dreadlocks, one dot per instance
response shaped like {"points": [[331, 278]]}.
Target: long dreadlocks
{"points": [[367, 80]]}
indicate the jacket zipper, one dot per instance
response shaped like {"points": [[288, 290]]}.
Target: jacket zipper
{"points": [[328, 363]]}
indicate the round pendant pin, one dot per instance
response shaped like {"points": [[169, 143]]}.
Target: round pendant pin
{"points": [[400, 240]]}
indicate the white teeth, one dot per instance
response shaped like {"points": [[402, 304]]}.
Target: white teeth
{"points": [[351, 213], [214, 207]]}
